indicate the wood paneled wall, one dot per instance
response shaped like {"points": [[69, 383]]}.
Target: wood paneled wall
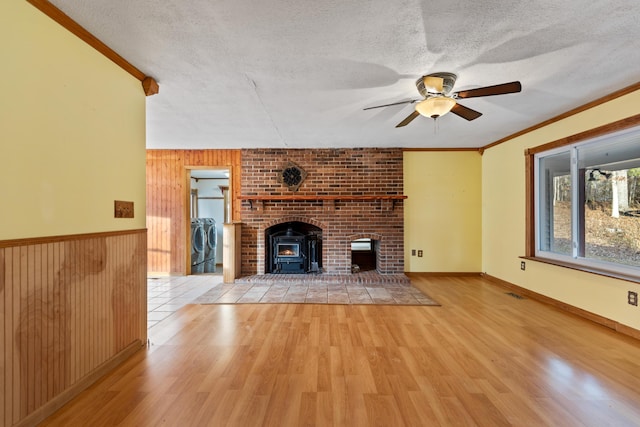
{"points": [[68, 306], [167, 195]]}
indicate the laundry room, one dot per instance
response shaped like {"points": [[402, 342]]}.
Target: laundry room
{"points": [[210, 209]]}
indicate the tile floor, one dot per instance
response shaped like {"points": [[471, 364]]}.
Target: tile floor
{"points": [[168, 294], [318, 292]]}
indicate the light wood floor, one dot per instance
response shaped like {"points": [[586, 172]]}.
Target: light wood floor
{"points": [[482, 358]]}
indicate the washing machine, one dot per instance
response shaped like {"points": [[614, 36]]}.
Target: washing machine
{"points": [[198, 244], [210, 248]]}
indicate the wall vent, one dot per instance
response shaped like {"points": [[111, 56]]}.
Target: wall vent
{"points": [[511, 294]]}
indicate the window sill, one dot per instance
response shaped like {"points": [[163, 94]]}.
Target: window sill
{"points": [[606, 273]]}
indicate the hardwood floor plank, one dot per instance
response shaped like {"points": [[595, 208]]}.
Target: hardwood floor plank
{"points": [[151, 407], [325, 410], [308, 406], [284, 402], [324, 369], [482, 358], [411, 415], [382, 410], [189, 403], [355, 390]]}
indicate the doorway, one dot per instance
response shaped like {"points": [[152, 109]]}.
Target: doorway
{"points": [[209, 208]]}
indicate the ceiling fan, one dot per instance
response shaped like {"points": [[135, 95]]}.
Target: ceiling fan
{"points": [[436, 88]]}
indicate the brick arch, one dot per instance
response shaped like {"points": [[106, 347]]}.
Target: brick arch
{"points": [[294, 218], [372, 236]]}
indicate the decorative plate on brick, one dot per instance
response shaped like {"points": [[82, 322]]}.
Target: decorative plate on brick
{"points": [[292, 176]]}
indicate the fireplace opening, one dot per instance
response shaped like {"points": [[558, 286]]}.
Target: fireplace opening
{"points": [[363, 255], [293, 248]]}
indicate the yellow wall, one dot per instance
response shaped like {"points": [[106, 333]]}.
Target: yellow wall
{"points": [[443, 211], [503, 221], [72, 131]]}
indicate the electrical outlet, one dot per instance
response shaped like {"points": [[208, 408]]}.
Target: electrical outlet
{"points": [[523, 266], [632, 298], [420, 253], [413, 252]]}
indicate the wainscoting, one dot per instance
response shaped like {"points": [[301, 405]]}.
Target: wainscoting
{"points": [[70, 307]]}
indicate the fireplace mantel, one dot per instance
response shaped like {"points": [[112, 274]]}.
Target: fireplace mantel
{"points": [[256, 202], [312, 198]]}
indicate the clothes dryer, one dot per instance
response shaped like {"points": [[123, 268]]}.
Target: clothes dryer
{"points": [[210, 232], [198, 244]]}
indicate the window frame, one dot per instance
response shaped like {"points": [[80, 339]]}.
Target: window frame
{"points": [[619, 271]]}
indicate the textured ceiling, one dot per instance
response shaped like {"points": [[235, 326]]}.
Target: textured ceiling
{"points": [[298, 73]]}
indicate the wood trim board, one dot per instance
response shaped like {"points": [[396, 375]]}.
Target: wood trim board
{"points": [[149, 84], [624, 91], [323, 197], [601, 320], [65, 238]]}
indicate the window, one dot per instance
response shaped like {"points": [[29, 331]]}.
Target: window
{"points": [[586, 202], [361, 245]]}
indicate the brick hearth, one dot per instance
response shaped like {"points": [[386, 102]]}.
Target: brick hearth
{"points": [[348, 193]]}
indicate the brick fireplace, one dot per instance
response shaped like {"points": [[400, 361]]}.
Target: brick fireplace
{"points": [[346, 194]]}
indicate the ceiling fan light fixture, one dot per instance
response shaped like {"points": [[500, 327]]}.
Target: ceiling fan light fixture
{"points": [[436, 106]]}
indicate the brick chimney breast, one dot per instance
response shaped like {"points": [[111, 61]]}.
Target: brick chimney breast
{"points": [[350, 185]]}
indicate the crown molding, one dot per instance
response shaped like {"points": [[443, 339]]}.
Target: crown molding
{"points": [[150, 86], [624, 91]]}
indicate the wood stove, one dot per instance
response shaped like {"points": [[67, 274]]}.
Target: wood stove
{"points": [[288, 254]]}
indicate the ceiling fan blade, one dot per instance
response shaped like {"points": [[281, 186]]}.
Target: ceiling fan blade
{"points": [[465, 112], [411, 101], [501, 89], [434, 84], [408, 120]]}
